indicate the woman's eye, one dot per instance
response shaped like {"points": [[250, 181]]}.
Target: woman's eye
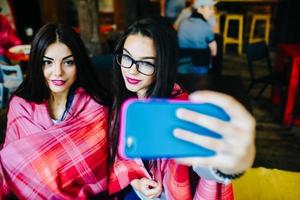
{"points": [[126, 59], [69, 62], [146, 64], [47, 62]]}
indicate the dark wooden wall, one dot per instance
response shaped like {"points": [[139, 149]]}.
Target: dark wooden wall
{"points": [[287, 24]]}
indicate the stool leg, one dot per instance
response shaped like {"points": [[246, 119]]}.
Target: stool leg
{"points": [[267, 31], [225, 34], [252, 29], [241, 36], [266, 20], [217, 28]]}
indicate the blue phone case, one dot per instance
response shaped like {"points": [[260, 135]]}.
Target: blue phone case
{"points": [[147, 129]]}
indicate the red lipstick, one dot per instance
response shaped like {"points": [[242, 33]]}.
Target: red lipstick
{"points": [[58, 82], [132, 80]]}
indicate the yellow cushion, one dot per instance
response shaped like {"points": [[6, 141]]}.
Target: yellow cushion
{"points": [[262, 183]]}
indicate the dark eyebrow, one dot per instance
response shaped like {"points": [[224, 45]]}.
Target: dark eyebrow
{"points": [[67, 57], [63, 58], [48, 58], [143, 58]]}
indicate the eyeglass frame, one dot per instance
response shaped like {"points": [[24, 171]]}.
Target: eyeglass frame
{"points": [[136, 62]]}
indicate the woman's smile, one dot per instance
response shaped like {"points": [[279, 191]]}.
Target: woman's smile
{"points": [[132, 80], [58, 82]]}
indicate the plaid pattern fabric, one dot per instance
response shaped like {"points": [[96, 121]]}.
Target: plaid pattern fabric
{"points": [[174, 177], [68, 160], [123, 172], [211, 190]]}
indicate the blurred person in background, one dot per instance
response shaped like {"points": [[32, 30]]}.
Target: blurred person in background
{"points": [[195, 32], [8, 37], [171, 9]]}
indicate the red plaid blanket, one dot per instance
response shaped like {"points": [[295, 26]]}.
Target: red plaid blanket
{"points": [[68, 160]]}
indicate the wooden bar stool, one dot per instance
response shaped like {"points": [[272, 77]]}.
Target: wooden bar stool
{"points": [[218, 23], [260, 17], [230, 40]]}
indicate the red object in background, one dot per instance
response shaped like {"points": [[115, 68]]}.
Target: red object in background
{"points": [[16, 56], [106, 28], [292, 52], [8, 37], [19, 53]]}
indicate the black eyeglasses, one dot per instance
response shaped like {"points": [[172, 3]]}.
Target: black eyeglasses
{"points": [[143, 67]]}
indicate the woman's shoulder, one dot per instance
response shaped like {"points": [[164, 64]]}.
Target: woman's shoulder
{"points": [[19, 106], [17, 101], [81, 97]]}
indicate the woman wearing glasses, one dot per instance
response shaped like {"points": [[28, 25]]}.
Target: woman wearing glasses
{"points": [[143, 69], [145, 66]]}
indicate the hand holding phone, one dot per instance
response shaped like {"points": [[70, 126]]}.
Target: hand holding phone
{"points": [[147, 129], [236, 151]]}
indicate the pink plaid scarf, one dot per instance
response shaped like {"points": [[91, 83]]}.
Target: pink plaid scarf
{"points": [[63, 161]]}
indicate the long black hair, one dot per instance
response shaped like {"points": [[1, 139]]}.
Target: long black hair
{"points": [[34, 86], [166, 46]]}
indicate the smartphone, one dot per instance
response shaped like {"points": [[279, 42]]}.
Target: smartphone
{"points": [[146, 129]]}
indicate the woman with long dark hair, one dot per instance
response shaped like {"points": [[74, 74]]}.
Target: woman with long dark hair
{"points": [[56, 142], [144, 67], [152, 46]]}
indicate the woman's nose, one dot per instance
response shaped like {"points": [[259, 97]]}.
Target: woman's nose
{"points": [[58, 69], [133, 69]]}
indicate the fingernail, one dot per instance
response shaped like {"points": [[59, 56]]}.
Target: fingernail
{"points": [[176, 132], [179, 112]]}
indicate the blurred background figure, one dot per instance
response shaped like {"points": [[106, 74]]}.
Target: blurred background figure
{"points": [[171, 8], [8, 37], [195, 32], [187, 12]]}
